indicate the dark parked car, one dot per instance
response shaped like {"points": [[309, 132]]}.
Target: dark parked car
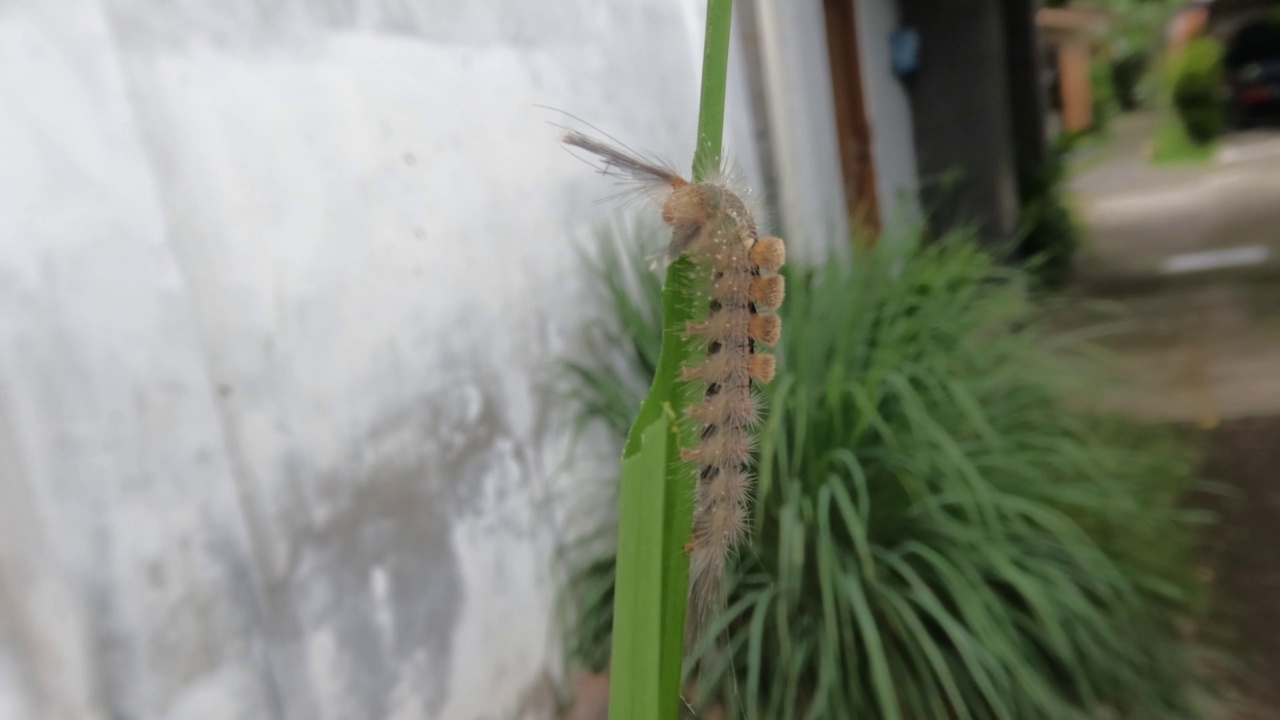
{"points": [[1253, 74]]}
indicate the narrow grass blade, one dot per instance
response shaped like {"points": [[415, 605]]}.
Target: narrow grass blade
{"points": [[656, 490]]}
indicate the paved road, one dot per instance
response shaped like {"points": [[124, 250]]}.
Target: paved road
{"points": [[1140, 216], [1205, 346], [1194, 255]]}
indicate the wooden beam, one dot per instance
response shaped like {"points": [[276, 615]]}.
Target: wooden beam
{"points": [[857, 162]]}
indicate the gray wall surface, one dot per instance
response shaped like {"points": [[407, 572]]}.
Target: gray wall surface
{"points": [[281, 289]]}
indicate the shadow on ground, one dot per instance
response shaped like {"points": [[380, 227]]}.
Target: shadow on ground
{"points": [[1244, 551]]}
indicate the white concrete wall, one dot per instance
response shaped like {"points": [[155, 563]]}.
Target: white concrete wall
{"points": [[888, 113], [802, 125], [801, 117], [281, 289]]}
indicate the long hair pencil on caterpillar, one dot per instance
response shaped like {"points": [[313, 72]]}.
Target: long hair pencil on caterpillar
{"points": [[712, 226]]}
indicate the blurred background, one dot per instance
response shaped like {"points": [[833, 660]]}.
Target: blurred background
{"points": [[303, 344]]}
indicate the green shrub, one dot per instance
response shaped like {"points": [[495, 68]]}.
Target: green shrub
{"points": [[1173, 146], [1127, 75], [1049, 233], [1197, 89], [936, 535], [1106, 102]]}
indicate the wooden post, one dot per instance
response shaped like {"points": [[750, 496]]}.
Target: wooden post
{"points": [[857, 163], [1075, 85]]}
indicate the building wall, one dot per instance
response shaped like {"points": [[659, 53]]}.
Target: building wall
{"points": [[796, 79], [889, 113], [282, 285], [1025, 69], [962, 118], [797, 118]]}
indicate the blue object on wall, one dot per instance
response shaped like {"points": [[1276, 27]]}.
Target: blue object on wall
{"points": [[904, 47]]}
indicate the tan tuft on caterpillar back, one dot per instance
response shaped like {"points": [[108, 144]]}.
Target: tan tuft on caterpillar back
{"points": [[761, 367], [766, 292], [768, 254], [765, 329]]}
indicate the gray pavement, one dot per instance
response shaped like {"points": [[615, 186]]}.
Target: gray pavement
{"points": [[1193, 254]]}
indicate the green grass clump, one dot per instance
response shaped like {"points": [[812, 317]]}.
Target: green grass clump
{"points": [[1192, 102], [1106, 100], [936, 535], [1197, 89], [1049, 233], [1173, 146]]}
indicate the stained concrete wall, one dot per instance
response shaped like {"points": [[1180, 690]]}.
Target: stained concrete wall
{"points": [[281, 286]]}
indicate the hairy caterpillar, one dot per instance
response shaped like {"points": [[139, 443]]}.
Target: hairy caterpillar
{"points": [[712, 226]]}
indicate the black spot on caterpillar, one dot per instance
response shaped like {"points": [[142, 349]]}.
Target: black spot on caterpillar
{"points": [[712, 226]]}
